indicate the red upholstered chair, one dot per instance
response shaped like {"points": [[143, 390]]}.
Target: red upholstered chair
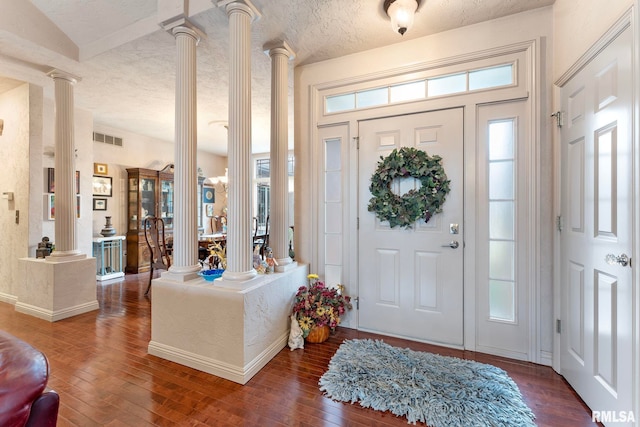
{"points": [[24, 397]]}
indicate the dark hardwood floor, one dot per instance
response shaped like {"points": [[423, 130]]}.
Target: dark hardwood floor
{"points": [[101, 369]]}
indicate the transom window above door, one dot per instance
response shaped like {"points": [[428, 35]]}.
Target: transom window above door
{"points": [[502, 75]]}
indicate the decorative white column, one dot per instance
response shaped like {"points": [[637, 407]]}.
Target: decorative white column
{"points": [[239, 238], [65, 175], [64, 285], [280, 54], [185, 223]]}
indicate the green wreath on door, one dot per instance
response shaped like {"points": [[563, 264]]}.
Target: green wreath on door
{"points": [[423, 202]]}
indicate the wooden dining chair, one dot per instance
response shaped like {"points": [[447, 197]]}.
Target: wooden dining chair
{"points": [[261, 239], [159, 253]]}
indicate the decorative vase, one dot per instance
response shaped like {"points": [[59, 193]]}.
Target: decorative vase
{"points": [[108, 229], [318, 334]]}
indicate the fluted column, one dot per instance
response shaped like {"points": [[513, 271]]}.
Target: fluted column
{"points": [[280, 54], [185, 222], [65, 198], [239, 243]]}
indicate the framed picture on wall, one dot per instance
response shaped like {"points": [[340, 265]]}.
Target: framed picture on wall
{"points": [[51, 181], [102, 186], [209, 208], [208, 195], [100, 169], [51, 206], [99, 204]]}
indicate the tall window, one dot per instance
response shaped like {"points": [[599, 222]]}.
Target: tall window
{"points": [[502, 252], [262, 189]]}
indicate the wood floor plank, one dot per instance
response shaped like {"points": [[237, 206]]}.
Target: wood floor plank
{"points": [[105, 377]]}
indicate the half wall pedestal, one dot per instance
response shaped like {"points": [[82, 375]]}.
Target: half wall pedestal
{"points": [[56, 290], [228, 329]]}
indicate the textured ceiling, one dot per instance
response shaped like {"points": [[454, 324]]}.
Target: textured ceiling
{"points": [[128, 64], [7, 84]]}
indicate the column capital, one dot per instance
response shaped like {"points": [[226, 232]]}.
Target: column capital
{"points": [[63, 75], [240, 5], [182, 25], [193, 32], [278, 47]]}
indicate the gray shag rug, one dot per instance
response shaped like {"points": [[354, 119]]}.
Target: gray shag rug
{"points": [[439, 391]]}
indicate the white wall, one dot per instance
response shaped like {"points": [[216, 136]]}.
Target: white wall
{"points": [[138, 152], [533, 25], [430, 49], [579, 24], [14, 176]]}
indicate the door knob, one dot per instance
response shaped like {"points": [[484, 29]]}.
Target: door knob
{"points": [[622, 259], [453, 245]]}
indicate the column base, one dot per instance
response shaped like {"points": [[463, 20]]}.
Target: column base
{"points": [[65, 256], [284, 261], [181, 274], [239, 276], [281, 268]]}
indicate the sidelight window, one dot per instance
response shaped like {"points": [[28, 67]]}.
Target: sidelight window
{"points": [[502, 253]]}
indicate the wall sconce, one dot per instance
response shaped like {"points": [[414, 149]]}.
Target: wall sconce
{"points": [[401, 13], [224, 180]]}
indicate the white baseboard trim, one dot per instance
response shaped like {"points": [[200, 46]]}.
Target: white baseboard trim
{"points": [[54, 316], [546, 358], [10, 299], [503, 353], [237, 374]]}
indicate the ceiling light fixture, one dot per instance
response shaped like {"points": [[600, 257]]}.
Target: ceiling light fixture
{"points": [[401, 13]]}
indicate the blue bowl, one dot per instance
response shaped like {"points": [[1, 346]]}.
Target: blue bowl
{"points": [[211, 275]]}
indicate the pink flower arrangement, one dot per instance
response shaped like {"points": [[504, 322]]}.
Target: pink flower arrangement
{"points": [[319, 305]]}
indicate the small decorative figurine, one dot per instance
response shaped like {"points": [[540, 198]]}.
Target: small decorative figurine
{"points": [[44, 248], [271, 261], [217, 256]]}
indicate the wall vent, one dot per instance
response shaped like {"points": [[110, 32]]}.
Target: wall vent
{"points": [[107, 139]]}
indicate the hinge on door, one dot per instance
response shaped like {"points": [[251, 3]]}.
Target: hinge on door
{"points": [[559, 222], [357, 140], [358, 223], [357, 301], [559, 326], [558, 116]]}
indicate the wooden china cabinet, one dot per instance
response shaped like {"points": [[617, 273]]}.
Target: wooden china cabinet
{"points": [[150, 193]]}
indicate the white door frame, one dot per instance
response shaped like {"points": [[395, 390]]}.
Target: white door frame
{"points": [[630, 18], [319, 121]]}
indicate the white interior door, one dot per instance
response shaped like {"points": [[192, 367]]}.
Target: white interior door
{"points": [[597, 297], [411, 280]]}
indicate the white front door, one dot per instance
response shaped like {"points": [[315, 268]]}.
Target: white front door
{"points": [[411, 280], [597, 200]]}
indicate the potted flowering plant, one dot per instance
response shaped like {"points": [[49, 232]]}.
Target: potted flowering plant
{"points": [[318, 308]]}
